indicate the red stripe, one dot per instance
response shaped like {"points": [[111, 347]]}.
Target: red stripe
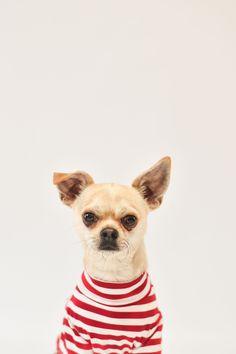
{"points": [[57, 345], [116, 285], [110, 336], [111, 346], [136, 291], [159, 328], [154, 341], [113, 314]]}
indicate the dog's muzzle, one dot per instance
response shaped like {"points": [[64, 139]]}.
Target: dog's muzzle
{"points": [[108, 239]]}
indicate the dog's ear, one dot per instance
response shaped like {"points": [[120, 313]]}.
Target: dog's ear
{"points": [[153, 183], [70, 185]]}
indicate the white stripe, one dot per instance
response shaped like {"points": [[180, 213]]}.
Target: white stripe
{"points": [[157, 334], [147, 349], [73, 347], [117, 321], [62, 347], [132, 308], [136, 343], [105, 301], [110, 291], [107, 351], [110, 341]]}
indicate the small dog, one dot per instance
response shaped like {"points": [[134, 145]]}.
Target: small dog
{"points": [[113, 308]]}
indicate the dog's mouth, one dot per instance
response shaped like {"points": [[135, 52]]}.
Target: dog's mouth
{"points": [[108, 246]]}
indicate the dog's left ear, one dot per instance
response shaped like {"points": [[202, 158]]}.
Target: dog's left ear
{"points": [[153, 183], [70, 185]]}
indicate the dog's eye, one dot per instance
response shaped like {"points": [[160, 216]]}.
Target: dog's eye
{"points": [[129, 221], [89, 218]]}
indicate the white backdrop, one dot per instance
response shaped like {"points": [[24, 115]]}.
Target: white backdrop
{"points": [[110, 87]]}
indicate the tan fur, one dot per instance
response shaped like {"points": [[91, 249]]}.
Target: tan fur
{"points": [[110, 202]]}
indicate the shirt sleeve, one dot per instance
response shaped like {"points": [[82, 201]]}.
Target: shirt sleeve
{"points": [[153, 343], [71, 341]]}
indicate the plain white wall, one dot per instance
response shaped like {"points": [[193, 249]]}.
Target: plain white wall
{"points": [[110, 87]]}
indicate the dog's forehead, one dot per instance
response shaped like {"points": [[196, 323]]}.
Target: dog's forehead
{"points": [[110, 196]]}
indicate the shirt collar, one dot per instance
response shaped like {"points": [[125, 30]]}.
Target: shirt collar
{"points": [[115, 293]]}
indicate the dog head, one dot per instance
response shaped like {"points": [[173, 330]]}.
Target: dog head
{"points": [[111, 218]]}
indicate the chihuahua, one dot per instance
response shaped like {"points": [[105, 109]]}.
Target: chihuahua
{"points": [[113, 308]]}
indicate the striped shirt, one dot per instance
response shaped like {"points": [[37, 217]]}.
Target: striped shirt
{"points": [[111, 318]]}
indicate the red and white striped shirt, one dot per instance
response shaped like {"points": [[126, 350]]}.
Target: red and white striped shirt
{"points": [[111, 317]]}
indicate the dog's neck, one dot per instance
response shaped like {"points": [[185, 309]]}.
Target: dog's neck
{"points": [[114, 269]]}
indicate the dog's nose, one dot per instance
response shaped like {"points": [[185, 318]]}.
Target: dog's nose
{"points": [[109, 234]]}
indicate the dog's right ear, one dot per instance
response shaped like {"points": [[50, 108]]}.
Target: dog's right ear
{"points": [[70, 185]]}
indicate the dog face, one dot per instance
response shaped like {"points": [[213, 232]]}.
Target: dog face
{"points": [[111, 218]]}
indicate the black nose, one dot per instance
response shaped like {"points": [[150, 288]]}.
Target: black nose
{"points": [[108, 234]]}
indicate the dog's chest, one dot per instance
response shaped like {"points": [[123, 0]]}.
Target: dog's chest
{"points": [[110, 316]]}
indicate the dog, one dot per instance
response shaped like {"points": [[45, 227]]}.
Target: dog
{"points": [[113, 308]]}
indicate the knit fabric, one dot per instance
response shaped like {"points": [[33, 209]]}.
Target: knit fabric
{"points": [[111, 317]]}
